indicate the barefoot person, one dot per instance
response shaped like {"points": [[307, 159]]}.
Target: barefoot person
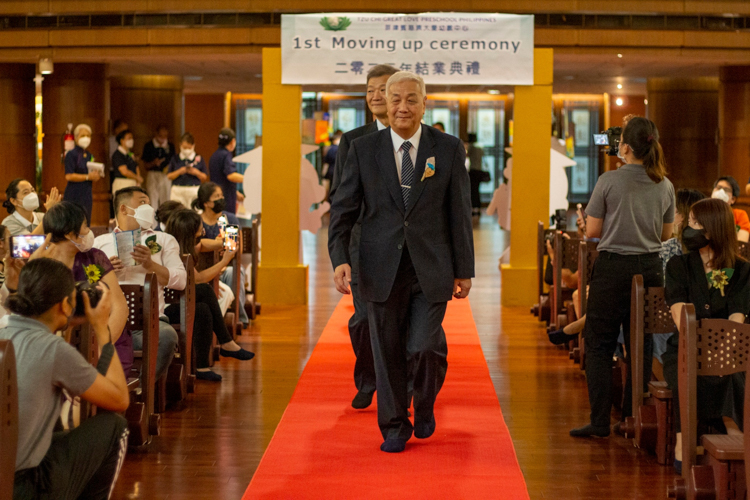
{"points": [[410, 185]]}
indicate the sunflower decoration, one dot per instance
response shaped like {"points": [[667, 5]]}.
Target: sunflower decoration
{"points": [[93, 273], [719, 279], [153, 245]]}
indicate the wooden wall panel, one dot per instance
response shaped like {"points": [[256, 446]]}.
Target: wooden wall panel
{"points": [[75, 93], [17, 135], [204, 117], [734, 122], [686, 112]]}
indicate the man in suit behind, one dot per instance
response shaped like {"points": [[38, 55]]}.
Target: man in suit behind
{"points": [[410, 184], [359, 328]]}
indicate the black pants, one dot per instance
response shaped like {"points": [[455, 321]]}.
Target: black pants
{"points": [[608, 309], [359, 326], [407, 340], [475, 179], [81, 463], [208, 321]]}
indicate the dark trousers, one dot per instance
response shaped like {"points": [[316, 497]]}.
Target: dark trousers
{"points": [[407, 340], [359, 333], [208, 321], [607, 310], [81, 463], [475, 179]]}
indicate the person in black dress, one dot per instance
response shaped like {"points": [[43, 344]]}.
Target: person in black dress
{"points": [[77, 174], [712, 249]]}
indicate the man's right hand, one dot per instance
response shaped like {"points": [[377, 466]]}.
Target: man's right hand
{"points": [[342, 277], [98, 317]]}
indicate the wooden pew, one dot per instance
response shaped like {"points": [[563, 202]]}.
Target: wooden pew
{"points": [[709, 347], [8, 418], [143, 302], [234, 325], [587, 254], [83, 338], [652, 423], [746, 425], [566, 257], [542, 308], [183, 380], [251, 245], [744, 250]]}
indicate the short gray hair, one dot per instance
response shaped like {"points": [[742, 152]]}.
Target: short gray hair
{"points": [[406, 76], [80, 128]]}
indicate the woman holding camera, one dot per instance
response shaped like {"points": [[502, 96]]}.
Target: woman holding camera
{"points": [[632, 212], [187, 228], [70, 241], [713, 277]]}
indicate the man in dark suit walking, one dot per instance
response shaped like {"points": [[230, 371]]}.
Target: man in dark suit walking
{"points": [[410, 184], [359, 328]]}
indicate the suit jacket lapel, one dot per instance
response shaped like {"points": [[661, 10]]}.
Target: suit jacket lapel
{"points": [[696, 267], [387, 163], [426, 148]]}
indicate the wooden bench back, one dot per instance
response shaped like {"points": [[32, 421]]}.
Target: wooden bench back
{"points": [[745, 250], [587, 254], [83, 338], [8, 418], [716, 347], [186, 299], [251, 245], [566, 257]]}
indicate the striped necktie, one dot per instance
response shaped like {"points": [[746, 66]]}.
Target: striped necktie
{"points": [[407, 172]]}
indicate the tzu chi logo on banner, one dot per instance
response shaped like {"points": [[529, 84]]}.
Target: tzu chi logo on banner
{"points": [[443, 48]]}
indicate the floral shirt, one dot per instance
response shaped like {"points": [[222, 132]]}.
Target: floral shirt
{"points": [[669, 249]]}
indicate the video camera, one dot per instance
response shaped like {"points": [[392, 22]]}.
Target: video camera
{"points": [[560, 220], [611, 138]]}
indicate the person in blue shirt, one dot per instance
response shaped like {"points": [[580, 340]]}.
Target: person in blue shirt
{"points": [[77, 174], [212, 203], [224, 171], [187, 171]]}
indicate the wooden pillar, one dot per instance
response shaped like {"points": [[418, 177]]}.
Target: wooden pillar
{"points": [[17, 92], [147, 101], [734, 123], [686, 112], [75, 93], [282, 279], [530, 183]]}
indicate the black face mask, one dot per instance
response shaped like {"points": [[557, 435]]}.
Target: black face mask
{"points": [[694, 239], [219, 205]]}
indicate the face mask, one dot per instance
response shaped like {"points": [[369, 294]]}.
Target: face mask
{"points": [[129, 143], [620, 154], [694, 239], [720, 194], [144, 214], [84, 142], [87, 243], [186, 154], [30, 202], [219, 205], [163, 227]]}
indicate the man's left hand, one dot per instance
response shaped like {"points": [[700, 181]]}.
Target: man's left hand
{"points": [[461, 288], [142, 255]]}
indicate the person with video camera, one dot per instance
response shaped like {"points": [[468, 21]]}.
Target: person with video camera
{"points": [[83, 462], [632, 211]]}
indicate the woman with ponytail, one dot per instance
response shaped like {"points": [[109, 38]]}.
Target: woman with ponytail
{"points": [[632, 211]]}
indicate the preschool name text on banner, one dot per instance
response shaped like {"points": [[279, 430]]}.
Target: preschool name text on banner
{"points": [[443, 48]]}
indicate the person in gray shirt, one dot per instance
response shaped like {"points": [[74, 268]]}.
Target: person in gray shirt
{"points": [[632, 211], [83, 462]]}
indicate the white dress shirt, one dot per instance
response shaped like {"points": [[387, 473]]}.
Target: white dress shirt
{"points": [[380, 125], [169, 256], [398, 153]]}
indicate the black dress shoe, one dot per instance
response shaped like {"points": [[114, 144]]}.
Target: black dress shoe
{"points": [[242, 354], [590, 431], [208, 375], [362, 400], [559, 337], [394, 445], [424, 429]]}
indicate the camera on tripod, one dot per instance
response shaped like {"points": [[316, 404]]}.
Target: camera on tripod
{"points": [[611, 138], [560, 220]]}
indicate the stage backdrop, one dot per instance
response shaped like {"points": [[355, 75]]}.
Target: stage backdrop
{"points": [[444, 48]]}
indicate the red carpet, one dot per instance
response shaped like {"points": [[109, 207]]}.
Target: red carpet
{"points": [[323, 448]]}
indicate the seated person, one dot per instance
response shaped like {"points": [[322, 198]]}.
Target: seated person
{"points": [[21, 203], [164, 211], [714, 278], [70, 241], [187, 228], [727, 189], [158, 253], [212, 204], [83, 462]]}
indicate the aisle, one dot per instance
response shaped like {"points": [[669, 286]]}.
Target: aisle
{"points": [[323, 448]]}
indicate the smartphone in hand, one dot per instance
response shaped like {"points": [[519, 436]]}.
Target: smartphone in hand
{"points": [[22, 246], [231, 237]]}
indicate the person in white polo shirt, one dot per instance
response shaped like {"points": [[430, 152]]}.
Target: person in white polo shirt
{"points": [[158, 253]]}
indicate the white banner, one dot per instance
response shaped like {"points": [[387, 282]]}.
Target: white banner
{"points": [[444, 48]]}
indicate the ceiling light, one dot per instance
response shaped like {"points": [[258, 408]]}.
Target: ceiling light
{"points": [[618, 101], [619, 86], [45, 66], [493, 91], [619, 55]]}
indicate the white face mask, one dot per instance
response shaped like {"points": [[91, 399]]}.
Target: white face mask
{"points": [[720, 194], [186, 154], [30, 202], [87, 242], [129, 143], [84, 142], [144, 214], [620, 154]]}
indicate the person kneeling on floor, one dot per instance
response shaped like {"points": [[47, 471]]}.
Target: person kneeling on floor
{"points": [[83, 462]]}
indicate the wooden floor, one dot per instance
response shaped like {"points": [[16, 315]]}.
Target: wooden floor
{"points": [[210, 448]]}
